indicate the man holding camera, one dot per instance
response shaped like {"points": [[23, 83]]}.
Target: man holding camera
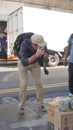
{"points": [[31, 56]]}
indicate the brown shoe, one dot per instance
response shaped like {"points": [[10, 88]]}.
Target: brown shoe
{"points": [[21, 111], [42, 108]]}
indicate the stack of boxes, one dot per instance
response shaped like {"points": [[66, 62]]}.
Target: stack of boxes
{"points": [[59, 119]]}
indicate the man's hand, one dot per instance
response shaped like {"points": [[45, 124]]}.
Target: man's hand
{"points": [[39, 52], [65, 62]]}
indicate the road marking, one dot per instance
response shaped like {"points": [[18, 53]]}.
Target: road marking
{"points": [[7, 77], [51, 85]]}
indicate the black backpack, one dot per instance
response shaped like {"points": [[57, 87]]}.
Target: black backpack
{"points": [[19, 41]]}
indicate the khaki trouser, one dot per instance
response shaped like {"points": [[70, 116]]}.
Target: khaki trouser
{"points": [[23, 76]]}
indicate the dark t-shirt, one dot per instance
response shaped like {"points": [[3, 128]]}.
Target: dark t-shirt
{"points": [[26, 51]]}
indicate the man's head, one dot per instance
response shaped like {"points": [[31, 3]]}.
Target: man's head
{"points": [[38, 40]]}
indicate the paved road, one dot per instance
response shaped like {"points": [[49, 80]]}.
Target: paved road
{"points": [[33, 118], [9, 76], [55, 83]]}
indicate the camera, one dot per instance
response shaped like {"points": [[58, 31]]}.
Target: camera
{"points": [[49, 51], [43, 48]]}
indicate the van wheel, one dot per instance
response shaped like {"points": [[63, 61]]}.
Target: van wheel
{"points": [[53, 60]]}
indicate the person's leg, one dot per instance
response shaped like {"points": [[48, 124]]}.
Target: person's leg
{"points": [[36, 73], [23, 75], [71, 77]]}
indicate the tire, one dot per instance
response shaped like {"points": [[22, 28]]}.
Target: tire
{"points": [[53, 60]]}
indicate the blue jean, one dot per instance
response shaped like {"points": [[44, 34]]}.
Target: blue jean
{"points": [[70, 69]]}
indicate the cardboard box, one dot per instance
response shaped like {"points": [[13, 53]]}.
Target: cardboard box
{"points": [[63, 120], [51, 111]]}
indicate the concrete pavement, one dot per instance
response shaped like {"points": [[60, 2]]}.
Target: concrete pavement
{"points": [[32, 120]]}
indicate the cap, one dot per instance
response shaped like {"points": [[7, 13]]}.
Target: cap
{"points": [[38, 39]]}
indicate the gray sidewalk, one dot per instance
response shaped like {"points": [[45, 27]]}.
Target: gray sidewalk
{"points": [[32, 120]]}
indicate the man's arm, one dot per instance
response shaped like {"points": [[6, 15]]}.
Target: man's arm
{"points": [[67, 53], [38, 54]]}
